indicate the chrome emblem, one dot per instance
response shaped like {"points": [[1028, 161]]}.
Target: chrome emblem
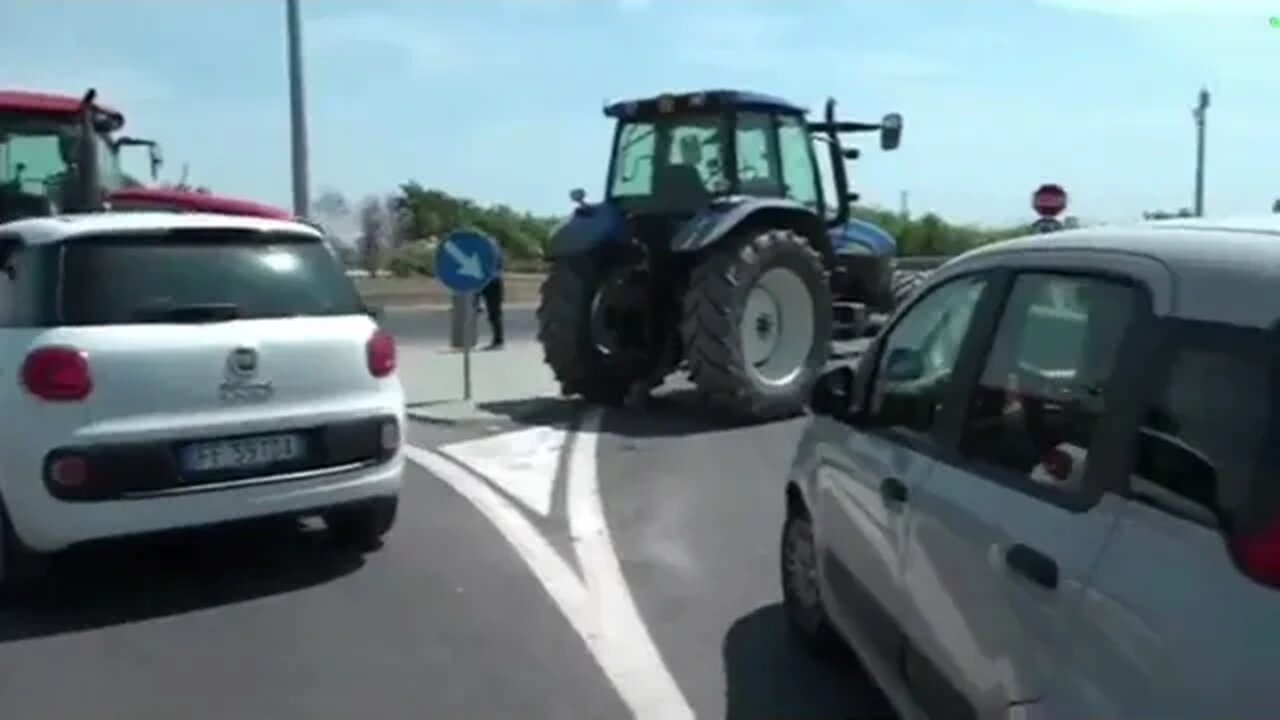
{"points": [[241, 369]]}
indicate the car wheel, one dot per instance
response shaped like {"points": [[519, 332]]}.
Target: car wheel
{"points": [[801, 593], [362, 526], [22, 570]]}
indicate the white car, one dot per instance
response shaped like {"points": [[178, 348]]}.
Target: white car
{"points": [[1051, 487], [162, 371]]}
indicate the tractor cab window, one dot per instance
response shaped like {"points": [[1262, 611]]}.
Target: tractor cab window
{"points": [[36, 156], [633, 162], [757, 146], [799, 171], [673, 165]]}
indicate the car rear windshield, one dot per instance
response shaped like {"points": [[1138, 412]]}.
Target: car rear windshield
{"points": [[1209, 446], [195, 276]]}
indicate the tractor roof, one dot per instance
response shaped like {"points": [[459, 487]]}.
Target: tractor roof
{"points": [[702, 100], [23, 101]]}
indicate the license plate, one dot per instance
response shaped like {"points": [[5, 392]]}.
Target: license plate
{"points": [[243, 453]]}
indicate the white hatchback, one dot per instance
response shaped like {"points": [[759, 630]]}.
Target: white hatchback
{"points": [[162, 371], [1051, 488]]}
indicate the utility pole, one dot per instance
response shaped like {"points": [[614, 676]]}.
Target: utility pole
{"points": [[1199, 113], [297, 112], [903, 208]]}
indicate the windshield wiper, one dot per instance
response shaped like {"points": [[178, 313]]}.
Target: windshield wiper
{"points": [[194, 313]]}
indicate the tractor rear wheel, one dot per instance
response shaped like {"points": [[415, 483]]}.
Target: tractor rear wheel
{"points": [[757, 324], [590, 324]]}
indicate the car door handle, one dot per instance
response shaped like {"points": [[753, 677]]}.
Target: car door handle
{"points": [[893, 490], [1033, 565]]}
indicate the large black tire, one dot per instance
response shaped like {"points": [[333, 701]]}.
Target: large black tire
{"points": [[564, 330], [905, 285], [802, 601], [714, 306]]}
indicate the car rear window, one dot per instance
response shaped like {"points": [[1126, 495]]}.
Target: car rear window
{"points": [[1209, 446], [200, 275]]}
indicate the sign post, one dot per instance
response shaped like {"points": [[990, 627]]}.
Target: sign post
{"points": [[465, 262], [1049, 201]]}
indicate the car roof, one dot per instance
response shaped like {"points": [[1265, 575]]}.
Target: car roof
{"points": [[1224, 269], [57, 228]]}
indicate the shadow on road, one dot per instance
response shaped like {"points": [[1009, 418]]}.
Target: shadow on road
{"points": [[768, 676], [675, 412], [133, 580]]}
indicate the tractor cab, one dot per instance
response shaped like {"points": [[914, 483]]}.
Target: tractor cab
{"points": [[62, 154], [676, 154]]}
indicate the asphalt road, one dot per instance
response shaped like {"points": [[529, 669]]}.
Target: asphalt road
{"points": [[431, 325], [571, 563]]}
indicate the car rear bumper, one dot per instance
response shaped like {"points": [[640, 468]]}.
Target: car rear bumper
{"points": [[47, 524]]}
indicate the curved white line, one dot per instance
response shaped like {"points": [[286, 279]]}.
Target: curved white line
{"points": [[600, 608], [637, 667]]}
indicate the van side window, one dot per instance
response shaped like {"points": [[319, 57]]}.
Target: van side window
{"points": [[1041, 390], [1204, 437], [913, 371]]}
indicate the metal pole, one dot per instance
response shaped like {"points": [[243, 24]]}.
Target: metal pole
{"points": [[468, 330], [297, 113], [1199, 113]]}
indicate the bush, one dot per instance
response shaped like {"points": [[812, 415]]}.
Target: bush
{"points": [[415, 258]]}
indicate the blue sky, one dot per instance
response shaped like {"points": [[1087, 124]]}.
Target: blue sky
{"points": [[500, 99]]}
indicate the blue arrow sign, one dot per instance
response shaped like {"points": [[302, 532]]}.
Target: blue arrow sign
{"points": [[466, 261]]}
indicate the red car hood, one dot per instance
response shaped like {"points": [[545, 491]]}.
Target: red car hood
{"points": [[191, 201]]}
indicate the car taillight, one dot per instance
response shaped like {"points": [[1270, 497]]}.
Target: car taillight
{"points": [[57, 374], [380, 353], [1259, 553]]}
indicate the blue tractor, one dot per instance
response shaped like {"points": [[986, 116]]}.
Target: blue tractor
{"points": [[715, 249]]}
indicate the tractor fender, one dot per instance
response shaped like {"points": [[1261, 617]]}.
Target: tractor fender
{"points": [[859, 237], [727, 215], [588, 229]]}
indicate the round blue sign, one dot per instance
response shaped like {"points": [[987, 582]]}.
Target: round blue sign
{"points": [[466, 261]]}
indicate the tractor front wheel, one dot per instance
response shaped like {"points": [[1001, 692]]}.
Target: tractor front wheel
{"points": [[757, 324], [591, 324]]}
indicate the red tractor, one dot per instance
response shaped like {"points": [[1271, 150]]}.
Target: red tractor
{"points": [[62, 154]]}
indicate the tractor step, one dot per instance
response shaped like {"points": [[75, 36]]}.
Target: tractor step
{"points": [[849, 320]]}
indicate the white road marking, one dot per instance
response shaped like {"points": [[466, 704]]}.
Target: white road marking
{"points": [[639, 672], [600, 606], [522, 464]]}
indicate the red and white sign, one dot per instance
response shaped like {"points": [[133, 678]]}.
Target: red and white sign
{"points": [[1049, 200]]}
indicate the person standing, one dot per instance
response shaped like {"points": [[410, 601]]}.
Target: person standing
{"points": [[492, 296]]}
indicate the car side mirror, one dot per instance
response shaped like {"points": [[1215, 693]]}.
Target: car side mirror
{"points": [[904, 364], [835, 394], [578, 196], [890, 131]]}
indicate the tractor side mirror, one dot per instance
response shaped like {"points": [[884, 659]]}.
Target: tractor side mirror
{"points": [[156, 156], [890, 131], [578, 196]]}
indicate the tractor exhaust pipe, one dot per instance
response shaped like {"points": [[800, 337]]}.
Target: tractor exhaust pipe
{"points": [[87, 195]]}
